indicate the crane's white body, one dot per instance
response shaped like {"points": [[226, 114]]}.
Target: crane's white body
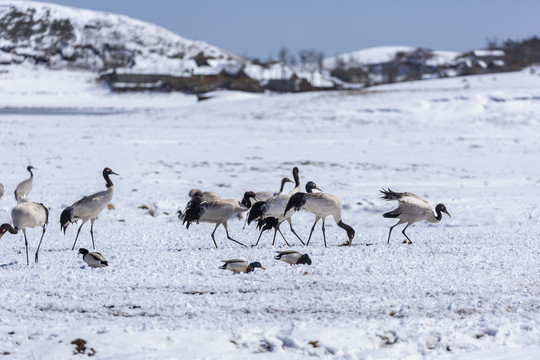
{"points": [[1, 190], [28, 214], [220, 211], [323, 205], [89, 207]]}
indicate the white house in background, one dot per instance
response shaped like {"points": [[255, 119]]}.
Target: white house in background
{"points": [[478, 61]]}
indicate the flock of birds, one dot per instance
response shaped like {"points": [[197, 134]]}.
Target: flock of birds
{"points": [[269, 209]]}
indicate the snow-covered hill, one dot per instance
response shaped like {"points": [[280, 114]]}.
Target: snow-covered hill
{"points": [[63, 37]]}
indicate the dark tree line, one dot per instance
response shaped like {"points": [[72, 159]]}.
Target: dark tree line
{"points": [[518, 53]]}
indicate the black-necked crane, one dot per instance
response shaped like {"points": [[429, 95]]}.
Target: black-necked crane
{"points": [[93, 259], [265, 195], [321, 205], [240, 265], [411, 208], [23, 189], [271, 213], [293, 257], [1, 190], [215, 212], [88, 208], [27, 214], [204, 195]]}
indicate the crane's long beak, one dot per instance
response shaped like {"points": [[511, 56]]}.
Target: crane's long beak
{"points": [[262, 267], [316, 187], [447, 213], [113, 173]]}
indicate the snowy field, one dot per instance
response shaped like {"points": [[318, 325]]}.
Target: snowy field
{"points": [[467, 288]]}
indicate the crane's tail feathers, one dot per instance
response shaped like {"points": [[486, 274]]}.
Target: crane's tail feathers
{"points": [[277, 257], [389, 195], [269, 223], [66, 218], [104, 263], [192, 211], [255, 212], [392, 214], [224, 266], [296, 202]]}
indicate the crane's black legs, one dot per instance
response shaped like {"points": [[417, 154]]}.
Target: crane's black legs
{"points": [[259, 238], [26, 244], [323, 233], [312, 228], [230, 238], [275, 233], [213, 235], [92, 233], [294, 232], [278, 229], [403, 232], [390, 232], [37, 251], [76, 237]]}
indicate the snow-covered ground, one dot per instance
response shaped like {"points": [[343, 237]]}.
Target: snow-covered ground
{"points": [[467, 288]]}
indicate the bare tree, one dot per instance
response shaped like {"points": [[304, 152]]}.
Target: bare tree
{"points": [[282, 56], [320, 59]]}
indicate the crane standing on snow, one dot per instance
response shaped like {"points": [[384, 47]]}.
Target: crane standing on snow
{"points": [[321, 205], [270, 213], [215, 212], [24, 187], [27, 214], [88, 208], [412, 208], [265, 195]]}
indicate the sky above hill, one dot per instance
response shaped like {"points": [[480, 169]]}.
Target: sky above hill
{"points": [[261, 29]]}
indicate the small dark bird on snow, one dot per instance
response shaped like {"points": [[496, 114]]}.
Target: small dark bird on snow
{"points": [[293, 257], [411, 208], [93, 259]]}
